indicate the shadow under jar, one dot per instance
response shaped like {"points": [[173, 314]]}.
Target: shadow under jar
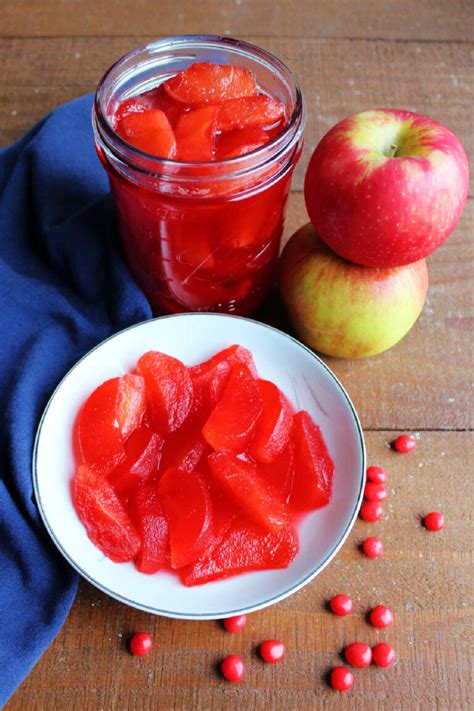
{"points": [[199, 236]]}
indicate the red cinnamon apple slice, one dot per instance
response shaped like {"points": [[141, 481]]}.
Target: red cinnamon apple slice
{"points": [[142, 459], [274, 425], [210, 377], [149, 130], [279, 473], [131, 403], [195, 135], [241, 482], [147, 513], [107, 523], [169, 390], [248, 111], [100, 439], [245, 547], [239, 142], [208, 83], [188, 510], [232, 422], [314, 468], [185, 447]]}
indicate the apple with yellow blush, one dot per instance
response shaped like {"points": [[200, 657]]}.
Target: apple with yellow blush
{"points": [[344, 309]]}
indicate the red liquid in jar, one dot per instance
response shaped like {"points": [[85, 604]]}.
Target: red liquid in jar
{"points": [[212, 251]]}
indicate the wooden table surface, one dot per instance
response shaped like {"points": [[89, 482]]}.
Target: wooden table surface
{"points": [[349, 55]]}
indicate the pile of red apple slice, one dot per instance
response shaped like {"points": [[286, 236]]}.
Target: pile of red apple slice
{"points": [[202, 470], [204, 113]]}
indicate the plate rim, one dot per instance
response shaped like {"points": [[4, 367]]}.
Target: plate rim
{"points": [[204, 616]]}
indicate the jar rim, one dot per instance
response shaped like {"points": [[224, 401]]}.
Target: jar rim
{"points": [[284, 139]]}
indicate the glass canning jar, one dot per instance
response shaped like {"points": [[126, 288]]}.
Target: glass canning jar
{"points": [[200, 236]]}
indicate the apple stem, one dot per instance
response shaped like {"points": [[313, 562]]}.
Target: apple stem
{"points": [[393, 150]]}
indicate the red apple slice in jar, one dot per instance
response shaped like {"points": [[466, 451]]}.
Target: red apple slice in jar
{"points": [[150, 131], [208, 83], [274, 425], [237, 143], [195, 134], [251, 111]]}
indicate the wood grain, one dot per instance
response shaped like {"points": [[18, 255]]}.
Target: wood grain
{"points": [[338, 77], [400, 19], [424, 577], [349, 55]]}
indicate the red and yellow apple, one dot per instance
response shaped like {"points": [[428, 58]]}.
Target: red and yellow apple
{"points": [[385, 188], [344, 309]]}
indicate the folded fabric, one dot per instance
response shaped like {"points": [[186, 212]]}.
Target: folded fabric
{"points": [[63, 289]]}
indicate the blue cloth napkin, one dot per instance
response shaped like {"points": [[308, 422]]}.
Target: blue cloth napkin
{"points": [[63, 289]]}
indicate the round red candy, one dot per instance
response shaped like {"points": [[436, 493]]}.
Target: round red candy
{"points": [[383, 655], [233, 667], [342, 679], [140, 644], [377, 475], [235, 624], [375, 492], [341, 604], [434, 521], [373, 547], [272, 651], [405, 443], [381, 616], [371, 511], [358, 654]]}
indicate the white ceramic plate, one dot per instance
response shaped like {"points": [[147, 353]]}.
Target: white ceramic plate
{"points": [[308, 383]]}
